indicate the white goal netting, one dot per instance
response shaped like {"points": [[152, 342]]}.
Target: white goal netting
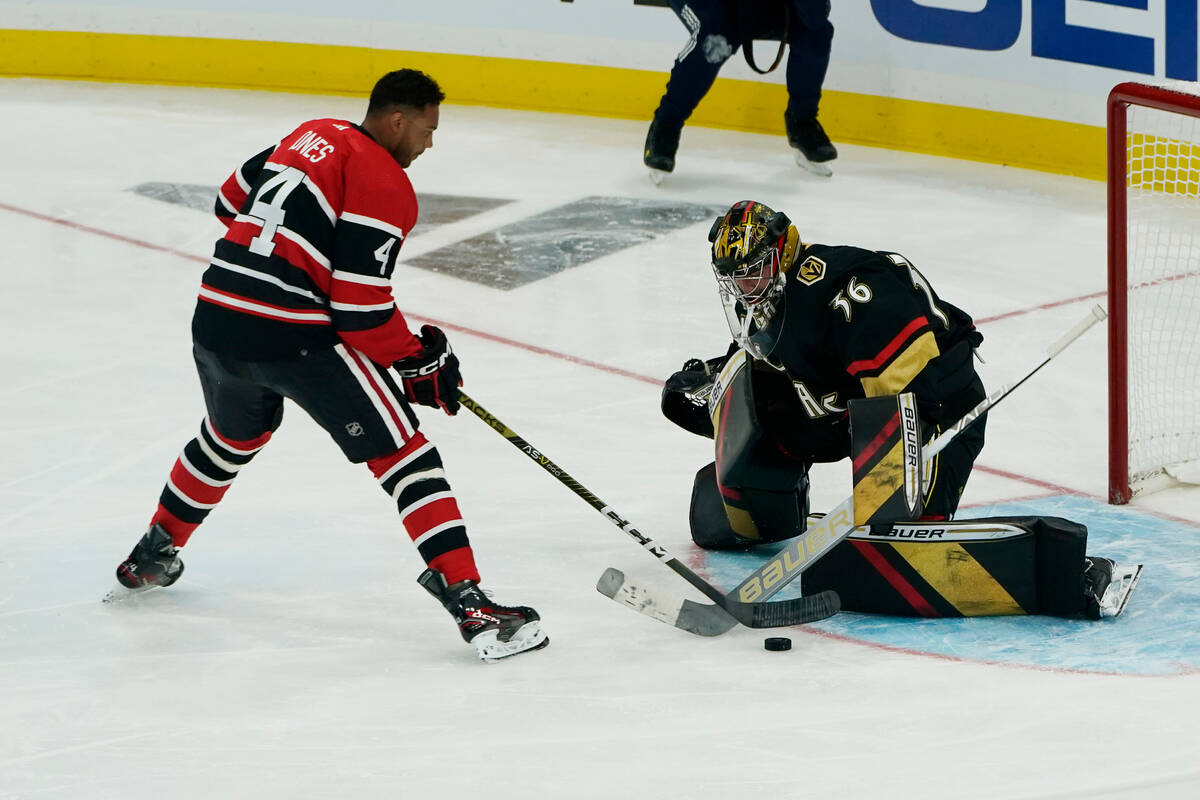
{"points": [[1163, 293]]}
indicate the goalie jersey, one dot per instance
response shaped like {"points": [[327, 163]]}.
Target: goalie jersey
{"points": [[859, 323], [314, 227]]}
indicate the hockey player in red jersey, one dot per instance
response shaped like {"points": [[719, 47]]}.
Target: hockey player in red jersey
{"points": [[297, 303], [824, 325]]}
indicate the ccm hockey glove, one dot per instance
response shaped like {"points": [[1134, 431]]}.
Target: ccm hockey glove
{"points": [[431, 377]]}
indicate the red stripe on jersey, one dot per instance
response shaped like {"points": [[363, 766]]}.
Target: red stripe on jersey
{"points": [[897, 581], [902, 338], [387, 343], [286, 315], [342, 291], [386, 397], [232, 191]]}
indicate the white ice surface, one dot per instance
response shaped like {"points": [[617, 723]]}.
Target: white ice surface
{"points": [[298, 658]]}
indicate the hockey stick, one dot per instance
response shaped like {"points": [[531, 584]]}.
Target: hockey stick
{"points": [[753, 615], [802, 551]]}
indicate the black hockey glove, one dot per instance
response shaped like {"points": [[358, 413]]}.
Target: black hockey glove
{"points": [[685, 395], [431, 377]]}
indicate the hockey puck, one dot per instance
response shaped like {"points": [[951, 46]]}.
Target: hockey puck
{"points": [[778, 643]]}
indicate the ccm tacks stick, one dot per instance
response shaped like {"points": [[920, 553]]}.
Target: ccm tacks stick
{"points": [[818, 539], [754, 615]]}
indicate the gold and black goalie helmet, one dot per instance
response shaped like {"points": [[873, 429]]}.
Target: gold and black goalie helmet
{"points": [[751, 250]]}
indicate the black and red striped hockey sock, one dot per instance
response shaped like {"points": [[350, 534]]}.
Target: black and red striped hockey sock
{"points": [[414, 478], [201, 476]]}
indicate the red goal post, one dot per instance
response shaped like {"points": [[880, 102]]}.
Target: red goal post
{"points": [[1153, 286]]}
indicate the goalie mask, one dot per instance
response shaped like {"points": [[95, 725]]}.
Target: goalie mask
{"points": [[752, 248]]}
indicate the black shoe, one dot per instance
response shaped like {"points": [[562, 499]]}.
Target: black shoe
{"points": [[153, 562], [808, 139], [496, 631], [662, 141]]}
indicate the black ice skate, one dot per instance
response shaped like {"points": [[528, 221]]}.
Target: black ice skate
{"points": [[813, 149], [154, 562], [1107, 586], [496, 631], [662, 141]]}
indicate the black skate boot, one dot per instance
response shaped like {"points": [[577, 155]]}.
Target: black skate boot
{"points": [[812, 145], [496, 631], [662, 141], [154, 562], [1107, 586]]}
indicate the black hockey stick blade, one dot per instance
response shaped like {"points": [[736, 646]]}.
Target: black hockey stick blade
{"points": [[705, 619], [797, 611]]}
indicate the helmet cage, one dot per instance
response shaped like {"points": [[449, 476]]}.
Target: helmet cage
{"points": [[751, 287], [753, 278], [755, 328]]}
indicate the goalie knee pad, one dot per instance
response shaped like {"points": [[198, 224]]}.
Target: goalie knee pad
{"points": [[754, 492], [726, 519], [685, 398]]}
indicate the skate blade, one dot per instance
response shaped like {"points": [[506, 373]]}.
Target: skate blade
{"points": [[490, 649], [821, 168], [120, 593], [657, 176]]}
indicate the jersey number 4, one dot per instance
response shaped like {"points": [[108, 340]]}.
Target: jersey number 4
{"points": [[270, 211]]}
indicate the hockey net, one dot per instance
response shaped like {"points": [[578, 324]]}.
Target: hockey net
{"points": [[1153, 287]]}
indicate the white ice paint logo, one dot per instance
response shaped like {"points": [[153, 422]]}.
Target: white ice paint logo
{"points": [[354, 429]]}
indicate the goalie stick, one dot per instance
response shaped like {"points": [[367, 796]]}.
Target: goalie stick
{"points": [[754, 615], [803, 550]]}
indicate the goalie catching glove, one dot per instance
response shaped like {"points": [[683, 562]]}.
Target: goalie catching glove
{"points": [[685, 393], [431, 377]]}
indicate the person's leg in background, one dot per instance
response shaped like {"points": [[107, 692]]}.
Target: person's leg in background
{"points": [[714, 37], [810, 42]]}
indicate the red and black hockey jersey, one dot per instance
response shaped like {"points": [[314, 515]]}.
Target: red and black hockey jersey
{"points": [[314, 227]]}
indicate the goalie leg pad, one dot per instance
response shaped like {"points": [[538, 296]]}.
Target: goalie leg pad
{"points": [[965, 568]]}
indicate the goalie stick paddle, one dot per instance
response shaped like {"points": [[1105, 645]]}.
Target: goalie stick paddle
{"points": [[754, 615], [820, 537]]}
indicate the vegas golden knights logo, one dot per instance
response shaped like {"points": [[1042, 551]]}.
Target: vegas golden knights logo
{"points": [[811, 270]]}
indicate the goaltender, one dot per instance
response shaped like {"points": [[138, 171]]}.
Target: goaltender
{"points": [[817, 328]]}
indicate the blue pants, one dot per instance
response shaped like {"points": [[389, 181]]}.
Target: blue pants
{"points": [[719, 27]]}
